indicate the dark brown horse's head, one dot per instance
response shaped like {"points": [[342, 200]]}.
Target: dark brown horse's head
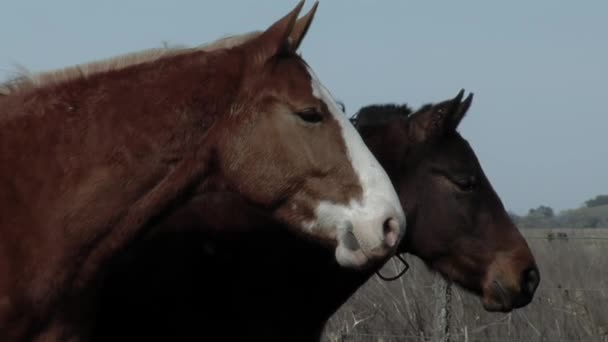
{"points": [[456, 222]]}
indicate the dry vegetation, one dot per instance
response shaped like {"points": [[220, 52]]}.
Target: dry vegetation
{"points": [[571, 303]]}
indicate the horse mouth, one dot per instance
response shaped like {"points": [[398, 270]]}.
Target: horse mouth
{"points": [[351, 253], [498, 300]]}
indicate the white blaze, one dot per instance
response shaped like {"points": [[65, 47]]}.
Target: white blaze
{"points": [[379, 197]]}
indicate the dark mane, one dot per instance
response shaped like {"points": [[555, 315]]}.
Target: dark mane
{"points": [[377, 114], [374, 115]]}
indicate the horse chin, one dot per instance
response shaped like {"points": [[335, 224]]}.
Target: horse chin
{"points": [[496, 298], [348, 258], [353, 252], [357, 259], [492, 306]]}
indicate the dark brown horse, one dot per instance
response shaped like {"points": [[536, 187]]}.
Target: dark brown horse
{"points": [[92, 156], [276, 287]]}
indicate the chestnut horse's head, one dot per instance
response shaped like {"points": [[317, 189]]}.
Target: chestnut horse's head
{"points": [[456, 222], [286, 146], [264, 128]]}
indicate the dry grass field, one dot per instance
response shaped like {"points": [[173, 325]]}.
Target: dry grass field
{"points": [[571, 303]]}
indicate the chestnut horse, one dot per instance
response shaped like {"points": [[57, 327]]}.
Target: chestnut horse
{"points": [[276, 287], [92, 156]]}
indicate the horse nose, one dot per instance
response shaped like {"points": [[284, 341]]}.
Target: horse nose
{"points": [[391, 230], [529, 281], [369, 237], [385, 233]]}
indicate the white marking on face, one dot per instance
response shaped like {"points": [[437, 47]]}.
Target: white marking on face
{"points": [[379, 198]]}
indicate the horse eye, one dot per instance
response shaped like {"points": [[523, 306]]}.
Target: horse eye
{"points": [[467, 184], [310, 115]]}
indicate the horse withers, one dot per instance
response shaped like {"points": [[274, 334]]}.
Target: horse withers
{"points": [[92, 155], [273, 286]]}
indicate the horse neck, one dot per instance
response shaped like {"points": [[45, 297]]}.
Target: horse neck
{"points": [[153, 113], [89, 161], [188, 88]]}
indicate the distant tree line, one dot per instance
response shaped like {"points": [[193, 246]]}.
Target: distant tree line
{"points": [[594, 214], [597, 201]]}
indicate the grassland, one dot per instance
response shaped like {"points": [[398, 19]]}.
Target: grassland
{"points": [[571, 303]]}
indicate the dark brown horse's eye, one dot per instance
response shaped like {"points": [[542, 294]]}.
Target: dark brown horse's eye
{"points": [[467, 184], [310, 115]]}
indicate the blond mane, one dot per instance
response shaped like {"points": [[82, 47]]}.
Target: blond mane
{"points": [[28, 80]]}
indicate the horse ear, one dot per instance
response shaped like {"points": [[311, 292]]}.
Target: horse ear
{"points": [[460, 112], [434, 121], [276, 39], [301, 28]]}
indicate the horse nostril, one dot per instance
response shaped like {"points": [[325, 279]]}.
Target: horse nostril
{"points": [[349, 239], [391, 232], [530, 280]]}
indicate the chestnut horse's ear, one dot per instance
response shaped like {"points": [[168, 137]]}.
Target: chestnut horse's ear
{"points": [[276, 39], [301, 27], [434, 121]]}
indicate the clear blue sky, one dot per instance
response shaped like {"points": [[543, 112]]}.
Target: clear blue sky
{"points": [[539, 69]]}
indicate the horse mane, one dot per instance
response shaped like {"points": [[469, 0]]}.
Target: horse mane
{"points": [[28, 80], [379, 114]]}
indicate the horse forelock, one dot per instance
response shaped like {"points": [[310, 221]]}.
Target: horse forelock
{"points": [[26, 79], [373, 115]]}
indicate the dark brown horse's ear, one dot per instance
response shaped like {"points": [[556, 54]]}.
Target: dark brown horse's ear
{"points": [[434, 121], [460, 112], [276, 39], [301, 28]]}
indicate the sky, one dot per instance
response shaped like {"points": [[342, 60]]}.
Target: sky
{"points": [[538, 69]]}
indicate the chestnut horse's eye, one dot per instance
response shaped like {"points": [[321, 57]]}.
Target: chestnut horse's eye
{"points": [[310, 115]]}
